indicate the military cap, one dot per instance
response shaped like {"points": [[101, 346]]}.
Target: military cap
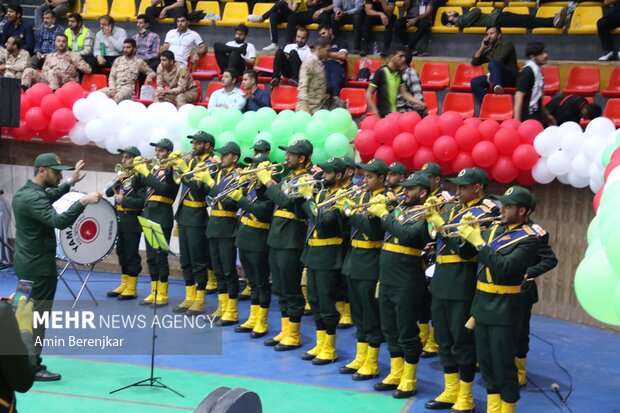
{"points": [[375, 165], [258, 158], [130, 150], [201, 136], [516, 195], [416, 179], [164, 144], [332, 164], [301, 147], [51, 160], [398, 168], [261, 145], [348, 163], [230, 147], [470, 176], [431, 168]]}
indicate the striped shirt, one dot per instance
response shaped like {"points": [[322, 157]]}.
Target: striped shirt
{"points": [[45, 38], [147, 45]]}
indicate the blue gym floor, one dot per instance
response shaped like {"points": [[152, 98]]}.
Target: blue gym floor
{"points": [[590, 357]]}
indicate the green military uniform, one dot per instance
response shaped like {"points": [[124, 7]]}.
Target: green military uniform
{"points": [[35, 239]]}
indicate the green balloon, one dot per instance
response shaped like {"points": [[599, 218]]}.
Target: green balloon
{"points": [[281, 131], [264, 136], [196, 114], [611, 243], [607, 152], [246, 152], [300, 121], [250, 114], [319, 155], [296, 137], [594, 231], [229, 118], [277, 155], [246, 131], [317, 131], [594, 246], [351, 153], [339, 120], [212, 125], [321, 115], [264, 117], [336, 145], [286, 114], [225, 137], [352, 132]]}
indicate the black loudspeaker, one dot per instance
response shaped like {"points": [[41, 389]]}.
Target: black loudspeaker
{"points": [[10, 97], [227, 400]]}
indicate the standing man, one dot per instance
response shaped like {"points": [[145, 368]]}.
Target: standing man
{"points": [[349, 12], [418, 14], [411, 79], [497, 299], [238, 54], [124, 73], [255, 97], [128, 202], [59, 7], [378, 13], [530, 85], [35, 239], [230, 96], [336, 62], [288, 61], [147, 42], [80, 39], [174, 82], [184, 42], [45, 37], [14, 61], [17, 27], [312, 90], [161, 191], [604, 27], [109, 42], [161, 9]]}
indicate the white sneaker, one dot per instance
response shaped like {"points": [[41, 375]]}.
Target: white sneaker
{"points": [[255, 18], [270, 48], [606, 57]]}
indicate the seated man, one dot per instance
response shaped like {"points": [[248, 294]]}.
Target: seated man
{"points": [[174, 82], [184, 42], [81, 39], [16, 26], [336, 63], [230, 96], [236, 54], [288, 61], [161, 9], [59, 7], [108, 42], [604, 27], [3, 18], [317, 11], [147, 42], [60, 67], [45, 38], [13, 60], [256, 98], [124, 73], [312, 92], [279, 13], [378, 13], [411, 79], [349, 12], [572, 108], [474, 17], [418, 14]]}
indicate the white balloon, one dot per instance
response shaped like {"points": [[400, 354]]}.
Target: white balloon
{"points": [[581, 165], [595, 172], [559, 163], [591, 144], [77, 134], [95, 131], [106, 106], [600, 126], [184, 110], [564, 179], [541, 173], [578, 181], [569, 127], [126, 111], [613, 176], [84, 110], [146, 150], [112, 144], [100, 143], [595, 185], [546, 143], [162, 110], [552, 130], [158, 134], [142, 124], [126, 136], [571, 143], [598, 157], [96, 96]]}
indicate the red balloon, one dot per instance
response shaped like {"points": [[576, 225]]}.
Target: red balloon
{"points": [[24, 105], [70, 93], [50, 103], [408, 162], [610, 167], [366, 158], [393, 117], [386, 153], [37, 92], [484, 154], [472, 121], [365, 142], [369, 122], [525, 157], [504, 171], [529, 129], [426, 132], [615, 155], [511, 123], [405, 145], [23, 132], [446, 168], [450, 122], [50, 135], [525, 178], [445, 148], [488, 129], [63, 120], [597, 199], [408, 120], [506, 140], [467, 136], [462, 160], [422, 156], [386, 130], [35, 119]]}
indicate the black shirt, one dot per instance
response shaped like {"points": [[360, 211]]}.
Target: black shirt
{"points": [[566, 108], [525, 83]]}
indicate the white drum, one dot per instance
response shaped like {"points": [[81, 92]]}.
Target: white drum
{"points": [[91, 237]]}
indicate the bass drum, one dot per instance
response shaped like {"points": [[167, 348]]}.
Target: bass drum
{"points": [[91, 237]]}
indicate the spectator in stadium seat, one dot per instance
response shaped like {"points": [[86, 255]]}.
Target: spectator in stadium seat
{"points": [[378, 13], [335, 65], [230, 96], [60, 7], [45, 37], [16, 26], [174, 82], [530, 84], [81, 39], [349, 12], [502, 59], [108, 42], [3, 18], [237, 54], [572, 108], [312, 92], [418, 13], [388, 84], [255, 98], [13, 59], [147, 42], [288, 61], [317, 11], [474, 17], [279, 13], [184, 42], [161, 9], [605, 25], [411, 79]]}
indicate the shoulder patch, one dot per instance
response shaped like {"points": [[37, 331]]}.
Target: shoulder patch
{"points": [[529, 231], [489, 203], [540, 231]]}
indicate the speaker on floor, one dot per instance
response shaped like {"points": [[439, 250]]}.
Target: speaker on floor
{"points": [[10, 97], [227, 400]]}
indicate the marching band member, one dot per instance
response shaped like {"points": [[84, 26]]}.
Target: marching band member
{"points": [[397, 173]]}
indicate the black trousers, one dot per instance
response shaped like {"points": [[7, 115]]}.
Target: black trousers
{"points": [[157, 261], [523, 341], [370, 21], [507, 19], [195, 259], [304, 18], [286, 270], [605, 25], [287, 66], [457, 346], [411, 39], [154, 11], [229, 57], [256, 267], [224, 261], [365, 311], [322, 295], [127, 250], [43, 292], [357, 20]]}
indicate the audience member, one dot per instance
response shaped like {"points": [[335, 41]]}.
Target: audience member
{"points": [[388, 84], [411, 79], [230, 96], [502, 59], [255, 97], [349, 12], [61, 66], [147, 42], [236, 54], [312, 90], [59, 7], [474, 17], [174, 81], [13, 60], [108, 42], [184, 42], [287, 61], [605, 25], [317, 11], [45, 37], [81, 39], [16, 26], [279, 13], [572, 108], [336, 64], [3, 18], [418, 14], [124, 73], [378, 13], [161, 9], [530, 83]]}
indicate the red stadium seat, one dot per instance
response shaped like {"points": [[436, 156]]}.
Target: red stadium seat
{"points": [[355, 99], [206, 68], [284, 97], [583, 80], [430, 98], [212, 87], [435, 76], [546, 99], [612, 111], [265, 64], [374, 65], [199, 86], [99, 81], [552, 79], [463, 76], [461, 103], [497, 107], [613, 87]]}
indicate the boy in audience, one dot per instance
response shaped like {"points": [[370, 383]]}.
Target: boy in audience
{"points": [[411, 79]]}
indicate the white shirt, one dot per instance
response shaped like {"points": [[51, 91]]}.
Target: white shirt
{"points": [[303, 52], [181, 44], [234, 99], [250, 51]]}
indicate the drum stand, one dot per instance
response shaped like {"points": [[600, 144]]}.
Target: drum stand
{"points": [[84, 281]]}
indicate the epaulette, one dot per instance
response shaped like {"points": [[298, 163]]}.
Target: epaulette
{"points": [[488, 203], [528, 230], [447, 196], [540, 231]]}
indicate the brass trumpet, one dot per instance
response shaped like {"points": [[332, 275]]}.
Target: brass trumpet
{"points": [[172, 158], [223, 194], [348, 208], [120, 169], [292, 190], [278, 168], [420, 208], [470, 222], [178, 175], [354, 190]]}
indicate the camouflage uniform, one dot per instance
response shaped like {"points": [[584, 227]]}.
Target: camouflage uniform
{"points": [[312, 88], [14, 66], [124, 75], [177, 84], [58, 69]]}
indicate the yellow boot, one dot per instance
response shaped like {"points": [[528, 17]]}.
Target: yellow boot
{"points": [[251, 322], [408, 382], [312, 353], [261, 326], [246, 293], [198, 306], [190, 296], [392, 380], [118, 290], [465, 399], [151, 297], [130, 292], [162, 294], [231, 314], [284, 327], [358, 361], [448, 397], [508, 407], [211, 282], [370, 368], [423, 333], [494, 403], [222, 304], [345, 317], [521, 371], [291, 339], [327, 354], [431, 347]]}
